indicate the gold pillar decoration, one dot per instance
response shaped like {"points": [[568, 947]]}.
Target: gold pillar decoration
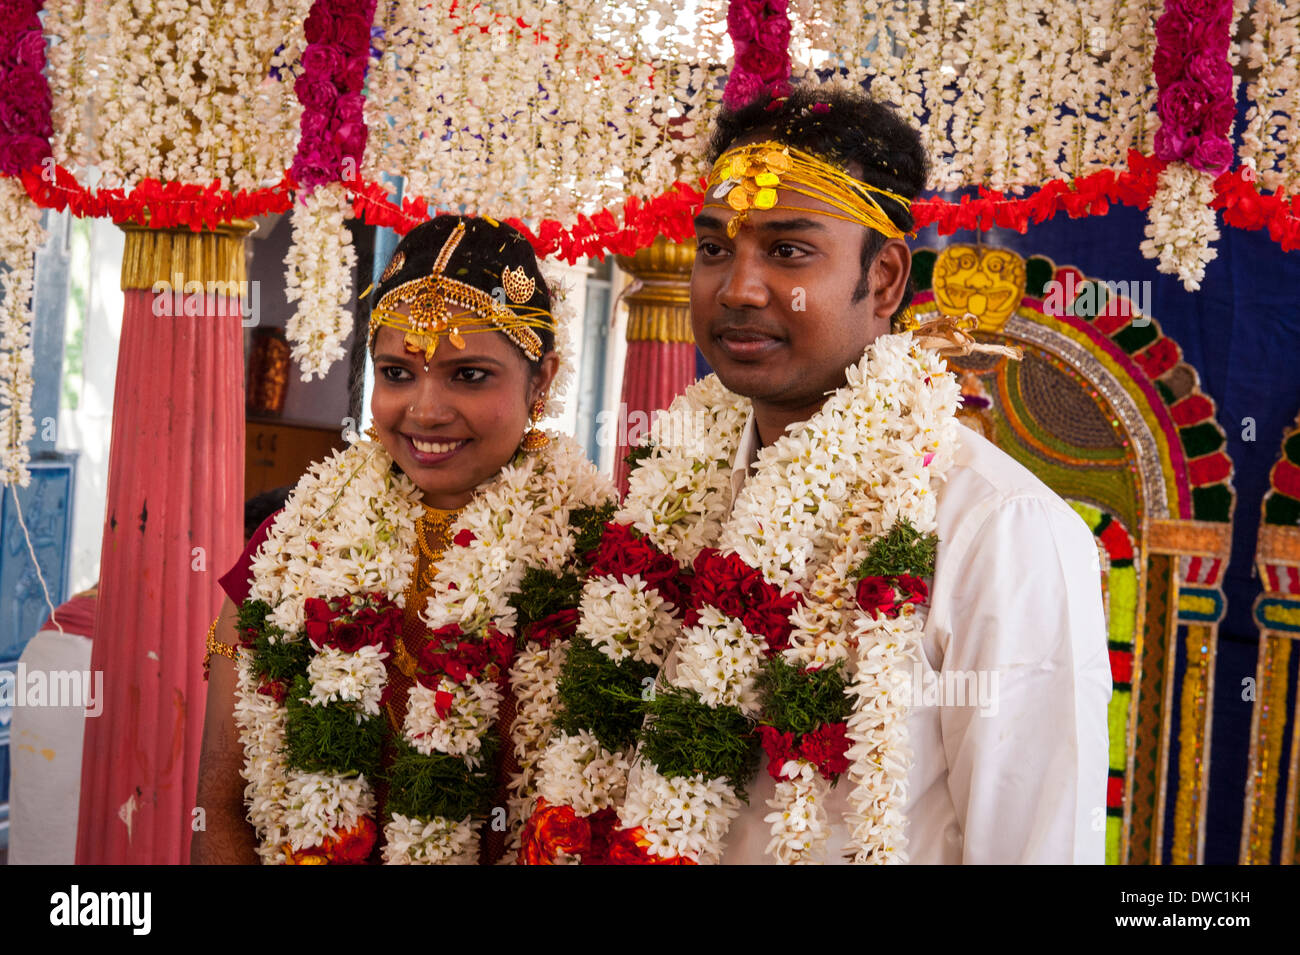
{"points": [[151, 256], [1270, 768], [659, 307]]}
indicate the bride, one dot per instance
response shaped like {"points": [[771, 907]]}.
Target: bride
{"points": [[395, 632]]}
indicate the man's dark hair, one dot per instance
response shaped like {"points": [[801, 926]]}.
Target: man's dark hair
{"points": [[847, 128]]}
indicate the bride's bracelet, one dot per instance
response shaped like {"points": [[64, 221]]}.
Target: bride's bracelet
{"points": [[216, 646]]}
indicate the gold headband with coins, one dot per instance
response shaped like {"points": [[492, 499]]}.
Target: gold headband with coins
{"points": [[748, 177], [433, 301]]}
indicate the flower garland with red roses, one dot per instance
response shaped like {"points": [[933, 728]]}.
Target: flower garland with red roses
{"points": [[768, 652], [760, 34], [25, 125], [1196, 105], [333, 126], [323, 617]]}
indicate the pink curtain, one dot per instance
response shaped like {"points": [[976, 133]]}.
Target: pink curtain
{"points": [[172, 526], [654, 374]]}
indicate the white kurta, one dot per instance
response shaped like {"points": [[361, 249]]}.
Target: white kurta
{"points": [[1018, 774]]}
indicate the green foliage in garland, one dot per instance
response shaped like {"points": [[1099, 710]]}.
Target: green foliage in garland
{"points": [[601, 696], [798, 701], [904, 550], [328, 739], [588, 524], [638, 454], [542, 593], [274, 658], [684, 736], [439, 784]]}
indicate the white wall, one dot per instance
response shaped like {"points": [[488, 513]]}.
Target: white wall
{"points": [[88, 429]]}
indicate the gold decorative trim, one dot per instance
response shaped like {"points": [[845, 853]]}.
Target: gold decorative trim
{"points": [[151, 256], [1290, 837], [1193, 746], [1267, 725], [1166, 709], [1193, 538], [659, 323], [661, 260], [659, 302], [1277, 544]]}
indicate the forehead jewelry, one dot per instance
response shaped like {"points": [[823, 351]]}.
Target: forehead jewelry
{"points": [[432, 300], [748, 177]]}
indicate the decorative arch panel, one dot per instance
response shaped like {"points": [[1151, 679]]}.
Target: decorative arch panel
{"points": [[1105, 411]]}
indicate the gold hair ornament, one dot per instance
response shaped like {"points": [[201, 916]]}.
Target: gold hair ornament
{"points": [[519, 285], [433, 301], [748, 177]]}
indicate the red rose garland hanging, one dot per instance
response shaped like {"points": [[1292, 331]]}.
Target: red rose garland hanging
{"points": [[331, 144]]}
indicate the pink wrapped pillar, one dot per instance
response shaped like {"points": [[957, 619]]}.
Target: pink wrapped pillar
{"points": [[660, 361], [173, 524]]}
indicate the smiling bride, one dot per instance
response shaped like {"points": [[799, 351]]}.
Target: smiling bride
{"points": [[396, 631]]}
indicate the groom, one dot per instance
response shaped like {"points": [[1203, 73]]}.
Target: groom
{"points": [[798, 270]]}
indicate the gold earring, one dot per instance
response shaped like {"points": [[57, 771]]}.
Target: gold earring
{"points": [[535, 440], [372, 433]]}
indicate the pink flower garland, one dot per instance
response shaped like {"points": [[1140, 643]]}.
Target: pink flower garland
{"points": [[1195, 104], [333, 129], [25, 127], [760, 33]]}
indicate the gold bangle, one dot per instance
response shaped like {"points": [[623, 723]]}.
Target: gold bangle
{"points": [[216, 646]]}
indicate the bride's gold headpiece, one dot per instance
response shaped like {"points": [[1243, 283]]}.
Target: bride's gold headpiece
{"points": [[435, 299]]}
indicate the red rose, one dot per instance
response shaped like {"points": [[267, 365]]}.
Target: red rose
{"points": [[350, 138], [348, 637], [877, 594], [1172, 143], [780, 749], [352, 75], [278, 690], [464, 538], [1182, 104], [442, 701], [742, 20], [25, 103], [352, 34], [317, 615], [774, 35], [768, 65], [1212, 72], [317, 28], [22, 151], [911, 590], [1213, 154], [322, 60], [825, 747], [560, 625], [29, 50], [316, 93]]}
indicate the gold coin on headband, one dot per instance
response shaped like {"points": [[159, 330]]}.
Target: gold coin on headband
{"points": [[777, 161], [738, 199]]}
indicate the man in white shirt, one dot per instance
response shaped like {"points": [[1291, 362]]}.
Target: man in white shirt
{"points": [[784, 298]]}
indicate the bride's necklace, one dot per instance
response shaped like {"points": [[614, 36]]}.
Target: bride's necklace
{"points": [[432, 537]]}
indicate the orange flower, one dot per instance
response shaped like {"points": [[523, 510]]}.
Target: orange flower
{"points": [[551, 830], [345, 847]]}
